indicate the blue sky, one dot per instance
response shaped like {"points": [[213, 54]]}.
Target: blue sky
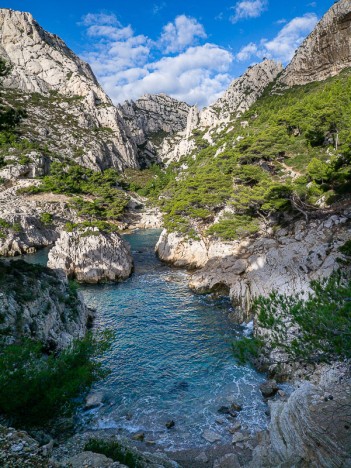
{"points": [[188, 49]]}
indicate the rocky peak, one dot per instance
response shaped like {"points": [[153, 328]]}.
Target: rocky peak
{"points": [[326, 51], [242, 93], [42, 63]]}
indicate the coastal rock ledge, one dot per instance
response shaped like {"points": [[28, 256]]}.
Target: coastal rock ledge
{"points": [[92, 256]]}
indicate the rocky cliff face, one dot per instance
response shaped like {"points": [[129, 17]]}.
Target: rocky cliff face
{"points": [[38, 303], [311, 428], [150, 119], [91, 256], [23, 230], [286, 261], [326, 51], [42, 63]]}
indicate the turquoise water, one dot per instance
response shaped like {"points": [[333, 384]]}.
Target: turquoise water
{"points": [[171, 356]]}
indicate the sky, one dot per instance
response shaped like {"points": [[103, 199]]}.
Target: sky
{"points": [[188, 49]]}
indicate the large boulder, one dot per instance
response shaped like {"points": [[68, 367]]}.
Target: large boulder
{"points": [[92, 256]]}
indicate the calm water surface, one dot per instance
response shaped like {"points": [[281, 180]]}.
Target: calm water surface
{"points": [[171, 356]]}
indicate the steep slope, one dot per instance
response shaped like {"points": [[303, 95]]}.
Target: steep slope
{"points": [[42, 64], [239, 97], [326, 51], [242, 93]]}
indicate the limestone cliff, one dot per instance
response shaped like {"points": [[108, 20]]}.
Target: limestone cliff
{"points": [[242, 93], [311, 428], [76, 111], [38, 303], [286, 260], [326, 51]]}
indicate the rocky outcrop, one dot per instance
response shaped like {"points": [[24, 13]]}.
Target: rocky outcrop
{"points": [[26, 231], [42, 63], [38, 303], [18, 449], [91, 256], [242, 93], [286, 260], [326, 51], [311, 428]]}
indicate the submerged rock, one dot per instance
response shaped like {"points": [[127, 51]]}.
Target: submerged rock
{"points": [[93, 400], [92, 256], [211, 436], [269, 388]]}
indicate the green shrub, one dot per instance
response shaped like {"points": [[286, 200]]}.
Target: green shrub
{"points": [[116, 452], [247, 349], [46, 218], [34, 388]]}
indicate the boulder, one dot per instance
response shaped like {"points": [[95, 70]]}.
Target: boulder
{"points": [[211, 436], [269, 388], [92, 256]]}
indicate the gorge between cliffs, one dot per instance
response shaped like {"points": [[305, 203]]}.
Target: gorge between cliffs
{"points": [[175, 279]]}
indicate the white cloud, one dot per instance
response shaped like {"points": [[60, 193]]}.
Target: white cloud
{"points": [[124, 63], [180, 34], [248, 9], [284, 45]]}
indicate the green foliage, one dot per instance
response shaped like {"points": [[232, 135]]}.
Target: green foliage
{"points": [[46, 218], [304, 129], [6, 227], [116, 451], [232, 227], [346, 248], [247, 349], [148, 182], [34, 388], [97, 196], [9, 116], [316, 329]]}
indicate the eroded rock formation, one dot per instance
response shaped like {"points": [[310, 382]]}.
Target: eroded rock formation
{"points": [[285, 261], [91, 256]]}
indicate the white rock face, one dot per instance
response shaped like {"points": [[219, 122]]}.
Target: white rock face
{"points": [[91, 256], [310, 429], [155, 113], [326, 51], [286, 262], [42, 63]]}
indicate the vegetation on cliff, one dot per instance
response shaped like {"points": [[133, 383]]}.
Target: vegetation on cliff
{"points": [[36, 386], [292, 155], [311, 330], [41, 377]]}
